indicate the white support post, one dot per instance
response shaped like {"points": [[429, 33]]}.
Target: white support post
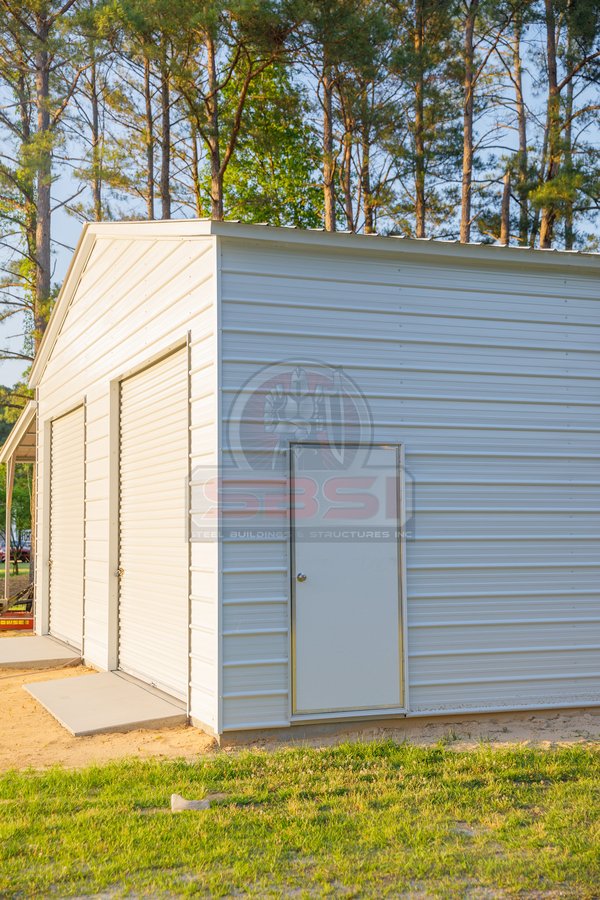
{"points": [[10, 481]]}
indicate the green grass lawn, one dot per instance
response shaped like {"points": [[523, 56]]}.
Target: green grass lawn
{"points": [[356, 820], [23, 569]]}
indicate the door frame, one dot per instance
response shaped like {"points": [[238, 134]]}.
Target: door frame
{"points": [[47, 545], [182, 343], [358, 712], [114, 514]]}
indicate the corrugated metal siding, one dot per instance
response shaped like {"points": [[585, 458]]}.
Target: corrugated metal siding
{"points": [[134, 298], [67, 489], [153, 532], [489, 376]]}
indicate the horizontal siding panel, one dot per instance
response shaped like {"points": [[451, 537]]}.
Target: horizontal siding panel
{"points": [[240, 616], [509, 695], [303, 270], [250, 647], [502, 607], [501, 666], [263, 677], [500, 522], [391, 327], [299, 268], [562, 577], [502, 640], [459, 550], [344, 351], [250, 552], [537, 467], [255, 712], [256, 584], [423, 301]]}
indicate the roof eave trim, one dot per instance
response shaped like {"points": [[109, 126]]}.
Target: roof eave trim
{"points": [[81, 254], [425, 248]]}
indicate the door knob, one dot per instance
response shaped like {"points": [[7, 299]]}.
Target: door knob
{"points": [[300, 577]]}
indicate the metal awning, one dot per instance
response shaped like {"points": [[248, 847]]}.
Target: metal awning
{"points": [[20, 443]]}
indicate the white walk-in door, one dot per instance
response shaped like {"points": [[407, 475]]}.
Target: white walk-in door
{"points": [[67, 526], [153, 547], [346, 611]]}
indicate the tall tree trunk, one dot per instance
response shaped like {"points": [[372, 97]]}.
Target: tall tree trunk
{"points": [[419, 123], [505, 213], [165, 143], [196, 170], [522, 162], [328, 156], [365, 180], [149, 141], [569, 219], [96, 148], [535, 225], [216, 176], [30, 209], [549, 214], [347, 175], [44, 183], [568, 144], [468, 107]]}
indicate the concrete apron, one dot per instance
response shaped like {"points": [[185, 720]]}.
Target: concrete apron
{"points": [[105, 702], [35, 652]]}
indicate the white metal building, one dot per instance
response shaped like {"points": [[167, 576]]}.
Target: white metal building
{"points": [[469, 376]]}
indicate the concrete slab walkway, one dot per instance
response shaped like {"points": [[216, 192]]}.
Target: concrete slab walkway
{"points": [[105, 702], [32, 651]]}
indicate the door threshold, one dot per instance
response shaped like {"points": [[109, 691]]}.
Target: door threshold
{"points": [[349, 715], [62, 643]]}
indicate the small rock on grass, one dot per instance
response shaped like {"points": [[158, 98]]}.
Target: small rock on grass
{"points": [[180, 804]]}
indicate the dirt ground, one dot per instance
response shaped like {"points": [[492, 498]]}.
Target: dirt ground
{"points": [[17, 583], [30, 736]]}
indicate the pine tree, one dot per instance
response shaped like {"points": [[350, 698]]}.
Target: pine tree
{"points": [[572, 53], [429, 157], [334, 34], [41, 73], [271, 177]]}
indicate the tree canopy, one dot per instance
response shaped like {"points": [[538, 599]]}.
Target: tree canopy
{"points": [[473, 119]]}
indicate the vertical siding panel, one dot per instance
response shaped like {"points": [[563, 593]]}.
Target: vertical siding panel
{"points": [[135, 298]]}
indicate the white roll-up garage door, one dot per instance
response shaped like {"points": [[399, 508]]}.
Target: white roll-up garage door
{"points": [[153, 547], [67, 526]]}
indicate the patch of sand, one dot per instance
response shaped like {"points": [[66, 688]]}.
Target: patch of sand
{"points": [[30, 736], [545, 729]]}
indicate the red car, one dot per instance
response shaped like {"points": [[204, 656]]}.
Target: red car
{"points": [[23, 554]]}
